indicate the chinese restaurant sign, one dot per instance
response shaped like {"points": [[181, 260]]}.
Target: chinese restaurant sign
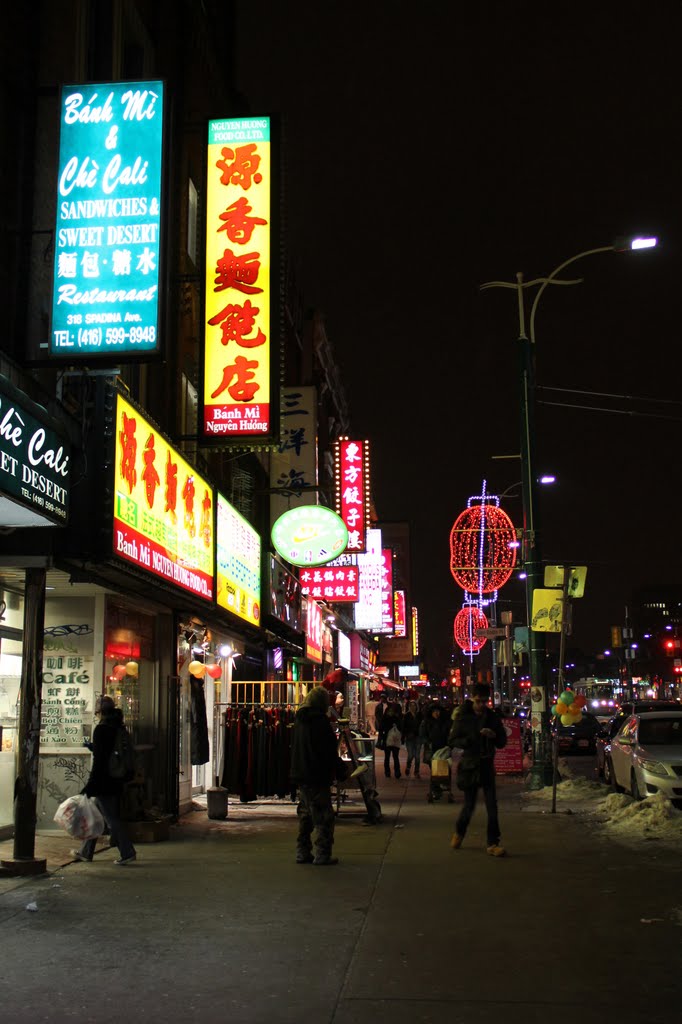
{"points": [[351, 471], [105, 299], [237, 563], [163, 510], [368, 607], [309, 535], [387, 590], [399, 614], [334, 583], [313, 632], [237, 385], [34, 465]]}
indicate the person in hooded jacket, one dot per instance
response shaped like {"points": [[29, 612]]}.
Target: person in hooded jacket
{"points": [[315, 764], [478, 731], [106, 790], [433, 732]]}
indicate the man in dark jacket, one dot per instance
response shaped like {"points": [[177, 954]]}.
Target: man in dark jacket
{"points": [[314, 766], [478, 731], [106, 790]]}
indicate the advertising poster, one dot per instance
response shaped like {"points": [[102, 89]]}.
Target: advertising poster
{"points": [[238, 558]]}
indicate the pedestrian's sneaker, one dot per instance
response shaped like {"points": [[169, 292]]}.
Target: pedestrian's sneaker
{"points": [[77, 855], [304, 858], [456, 841], [324, 861], [497, 851], [126, 860]]}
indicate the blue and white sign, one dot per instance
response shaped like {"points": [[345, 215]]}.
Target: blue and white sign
{"points": [[105, 299]]}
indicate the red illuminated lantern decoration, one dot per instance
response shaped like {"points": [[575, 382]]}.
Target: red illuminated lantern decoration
{"points": [[467, 621], [482, 548]]}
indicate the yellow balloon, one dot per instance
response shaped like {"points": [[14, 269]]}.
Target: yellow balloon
{"points": [[197, 668], [132, 669], [561, 708], [567, 720]]}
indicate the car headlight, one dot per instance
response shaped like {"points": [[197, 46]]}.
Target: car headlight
{"points": [[653, 767]]}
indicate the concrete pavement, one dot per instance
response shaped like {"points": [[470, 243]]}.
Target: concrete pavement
{"points": [[220, 924]]}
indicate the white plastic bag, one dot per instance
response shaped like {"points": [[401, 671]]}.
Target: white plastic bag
{"points": [[80, 816]]}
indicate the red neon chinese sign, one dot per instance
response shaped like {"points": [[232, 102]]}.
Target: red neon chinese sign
{"points": [[353, 490]]}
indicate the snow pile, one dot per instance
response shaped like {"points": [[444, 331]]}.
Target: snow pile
{"points": [[631, 821]]}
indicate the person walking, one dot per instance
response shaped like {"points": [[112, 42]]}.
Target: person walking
{"points": [[479, 732], [434, 735], [390, 736], [106, 790], [315, 763], [411, 723]]}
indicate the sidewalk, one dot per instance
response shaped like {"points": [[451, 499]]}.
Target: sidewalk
{"points": [[220, 923]]}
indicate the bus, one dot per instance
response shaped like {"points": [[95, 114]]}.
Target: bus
{"points": [[604, 696]]}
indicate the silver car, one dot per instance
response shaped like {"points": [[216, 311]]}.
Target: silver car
{"points": [[646, 756]]}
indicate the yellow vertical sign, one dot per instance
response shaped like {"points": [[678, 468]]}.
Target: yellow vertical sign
{"points": [[236, 383]]}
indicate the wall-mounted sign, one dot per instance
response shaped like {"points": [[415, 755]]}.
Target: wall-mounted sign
{"points": [[368, 607], [415, 632], [163, 509], [34, 464], [285, 596], [313, 631], [343, 649], [309, 535], [293, 466], [335, 583], [399, 613], [238, 550], [387, 590], [241, 346], [351, 472], [105, 300]]}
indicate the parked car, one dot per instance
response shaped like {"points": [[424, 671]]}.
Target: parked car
{"points": [[615, 724], [645, 756], [580, 738]]}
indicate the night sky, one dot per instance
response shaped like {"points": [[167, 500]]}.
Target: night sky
{"points": [[432, 147]]}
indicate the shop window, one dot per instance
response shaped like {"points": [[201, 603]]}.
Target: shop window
{"points": [[129, 663]]}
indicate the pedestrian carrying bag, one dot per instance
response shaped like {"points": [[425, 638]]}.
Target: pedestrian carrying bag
{"points": [[394, 737], [80, 816], [122, 757]]}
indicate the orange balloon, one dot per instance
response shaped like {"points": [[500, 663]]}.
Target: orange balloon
{"points": [[197, 669], [561, 708], [118, 671]]}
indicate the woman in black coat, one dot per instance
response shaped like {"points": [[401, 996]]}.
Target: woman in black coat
{"points": [[391, 716]]}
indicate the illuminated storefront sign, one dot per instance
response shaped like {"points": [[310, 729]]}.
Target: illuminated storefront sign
{"points": [[399, 613], [368, 606], [343, 650], [415, 632], [335, 583], [105, 299], [313, 631], [351, 471], [34, 464], [309, 535], [238, 555], [387, 590], [163, 509], [239, 400]]}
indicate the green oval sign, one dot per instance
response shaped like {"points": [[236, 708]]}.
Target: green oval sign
{"points": [[309, 535]]}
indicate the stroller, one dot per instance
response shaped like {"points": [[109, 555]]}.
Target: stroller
{"points": [[441, 776]]}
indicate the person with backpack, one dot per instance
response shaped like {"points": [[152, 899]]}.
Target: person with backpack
{"points": [[111, 769]]}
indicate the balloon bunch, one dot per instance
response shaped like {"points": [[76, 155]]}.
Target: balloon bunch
{"points": [[569, 707], [130, 669], [199, 670]]}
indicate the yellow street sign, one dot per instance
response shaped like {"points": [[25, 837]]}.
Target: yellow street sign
{"points": [[554, 577], [547, 611]]}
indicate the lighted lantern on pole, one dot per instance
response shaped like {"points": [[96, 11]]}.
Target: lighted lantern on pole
{"points": [[467, 621], [482, 546]]}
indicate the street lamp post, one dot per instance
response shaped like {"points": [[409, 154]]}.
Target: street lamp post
{"points": [[540, 774]]}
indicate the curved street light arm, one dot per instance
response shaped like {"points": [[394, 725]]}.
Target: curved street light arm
{"points": [[550, 280]]}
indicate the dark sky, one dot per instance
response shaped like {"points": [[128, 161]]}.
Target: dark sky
{"points": [[435, 146]]}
